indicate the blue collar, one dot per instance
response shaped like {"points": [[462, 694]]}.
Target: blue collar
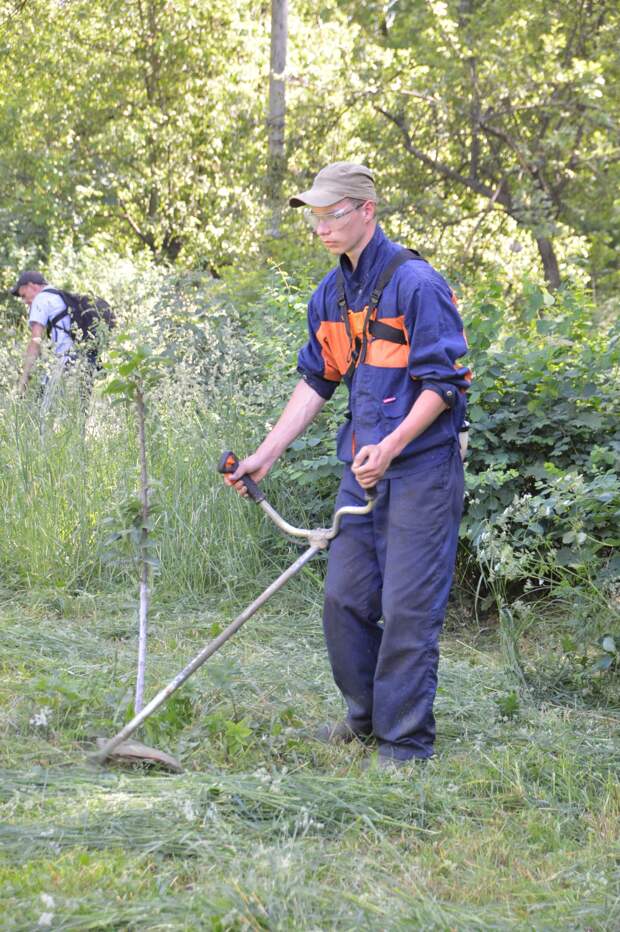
{"points": [[367, 261]]}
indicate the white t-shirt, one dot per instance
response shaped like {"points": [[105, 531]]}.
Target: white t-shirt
{"points": [[44, 307]]}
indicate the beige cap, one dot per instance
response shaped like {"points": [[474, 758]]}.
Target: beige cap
{"points": [[335, 181]]}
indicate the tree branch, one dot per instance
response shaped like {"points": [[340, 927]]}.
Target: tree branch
{"points": [[434, 164], [484, 213], [146, 238]]}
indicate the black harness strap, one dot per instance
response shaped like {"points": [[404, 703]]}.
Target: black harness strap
{"points": [[59, 316], [342, 306], [376, 328], [381, 331], [405, 255]]}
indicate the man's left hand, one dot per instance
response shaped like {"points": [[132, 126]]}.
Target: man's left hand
{"points": [[370, 464]]}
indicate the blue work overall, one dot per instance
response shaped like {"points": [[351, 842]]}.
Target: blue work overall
{"points": [[390, 332], [388, 580]]}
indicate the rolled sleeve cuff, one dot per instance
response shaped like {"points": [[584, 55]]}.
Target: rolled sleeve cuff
{"points": [[321, 386], [447, 392]]}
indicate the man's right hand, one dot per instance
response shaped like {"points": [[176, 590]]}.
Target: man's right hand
{"points": [[255, 466]]}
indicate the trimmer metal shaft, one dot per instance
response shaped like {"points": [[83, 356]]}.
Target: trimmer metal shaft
{"points": [[318, 539]]}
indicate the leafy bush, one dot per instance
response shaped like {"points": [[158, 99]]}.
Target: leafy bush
{"points": [[544, 406], [543, 503]]}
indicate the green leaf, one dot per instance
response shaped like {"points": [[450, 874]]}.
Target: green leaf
{"points": [[118, 387], [127, 367]]}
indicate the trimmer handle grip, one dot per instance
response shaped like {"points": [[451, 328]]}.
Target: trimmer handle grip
{"points": [[228, 463]]}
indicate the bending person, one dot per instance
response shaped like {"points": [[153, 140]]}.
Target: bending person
{"points": [[50, 314]]}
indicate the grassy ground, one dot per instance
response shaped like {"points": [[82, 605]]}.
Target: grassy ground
{"points": [[513, 825]]}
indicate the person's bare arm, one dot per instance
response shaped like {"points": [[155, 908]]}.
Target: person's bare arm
{"points": [[301, 409], [372, 460], [32, 354]]}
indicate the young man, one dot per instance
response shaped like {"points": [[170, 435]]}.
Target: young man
{"points": [[44, 307], [390, 572], [73, 371]]}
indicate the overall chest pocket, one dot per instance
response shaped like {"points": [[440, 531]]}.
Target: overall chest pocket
{"points": [[394, 410]]}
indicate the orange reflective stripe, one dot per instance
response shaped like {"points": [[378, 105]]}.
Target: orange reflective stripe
{"points": [[356, 323], [384, 353], [335, 349]]}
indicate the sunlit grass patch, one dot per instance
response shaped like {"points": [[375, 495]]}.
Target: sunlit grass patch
{"points": [[288, 846], [514, 824]]}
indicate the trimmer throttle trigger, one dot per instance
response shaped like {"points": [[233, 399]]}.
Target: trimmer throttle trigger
{"points": [[228, 463]]}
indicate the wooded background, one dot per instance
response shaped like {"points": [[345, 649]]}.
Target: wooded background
{"points": [[180, 127]]}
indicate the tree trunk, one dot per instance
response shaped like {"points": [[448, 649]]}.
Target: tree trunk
{"points": [[277, 114], [144, 566], [549, 261]]}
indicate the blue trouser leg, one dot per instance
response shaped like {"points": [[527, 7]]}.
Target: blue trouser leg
{"points": [[396, 563], [352, 607]]}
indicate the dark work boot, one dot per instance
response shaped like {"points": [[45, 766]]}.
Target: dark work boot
{"points": [[339, 733]]}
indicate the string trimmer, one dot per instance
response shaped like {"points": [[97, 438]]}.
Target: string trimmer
{"points": [[118, 747]]}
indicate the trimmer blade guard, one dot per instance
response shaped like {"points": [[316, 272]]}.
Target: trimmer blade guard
{"points": [[133, 752]]}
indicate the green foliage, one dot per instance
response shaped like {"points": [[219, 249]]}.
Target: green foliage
{"points": [[569, 523], [545, 441], [543, 501], [508, 705], [489, 118], [163, 728], [126, 529], [491, 127], [234, 737], [135, 369], [553, 646], [147, 150]]}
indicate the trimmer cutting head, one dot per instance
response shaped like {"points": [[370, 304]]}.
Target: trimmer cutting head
{"points": [[133, 752]]}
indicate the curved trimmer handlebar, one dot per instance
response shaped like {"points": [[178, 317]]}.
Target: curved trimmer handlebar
{"points": [[317, 537]]}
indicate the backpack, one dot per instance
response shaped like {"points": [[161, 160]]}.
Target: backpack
{"points": [[87, 313]]}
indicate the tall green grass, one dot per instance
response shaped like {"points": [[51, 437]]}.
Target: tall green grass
{"points": [[62, 494]]}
